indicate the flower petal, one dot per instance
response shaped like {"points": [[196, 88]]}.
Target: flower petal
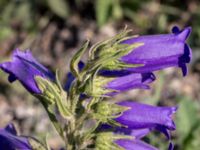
{"points": [[10, 141], [159, 51], [134, 145], [131, 81], [146, 116], [24, 68]]}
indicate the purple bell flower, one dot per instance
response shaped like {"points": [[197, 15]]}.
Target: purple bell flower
{"points": [[131, 81], [24, 67], [10, 141], [111, 86], [134, 145], [160, 51], [141, 116], [140, 133], [136, 133]]}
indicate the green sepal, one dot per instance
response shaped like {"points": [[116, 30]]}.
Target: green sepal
{"points": [[46, 95], [107, 53], [111, 61], [105, 112], [76, 59], [53, 94], [36, 145], [95, 86], [108, 43], [105, 141]]}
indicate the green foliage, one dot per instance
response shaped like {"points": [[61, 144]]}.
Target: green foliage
{"points": [[5, 32], [192, 141], [146, 14], [188, 124], [106, 9], [186, 117], [102, 11], [59, 7], [18, 12]]}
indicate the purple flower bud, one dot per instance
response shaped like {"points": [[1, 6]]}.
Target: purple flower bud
{"points": [[136, 133], [160, 51], [24, 67], [134, 145], [10, 141], [139, 133], [131, 81], [141, 116], [112, 85]]}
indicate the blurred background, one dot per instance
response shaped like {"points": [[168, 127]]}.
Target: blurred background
{"points": [[55, 29]]}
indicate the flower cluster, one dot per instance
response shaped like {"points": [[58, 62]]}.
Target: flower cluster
{"points": [[93, 119]]}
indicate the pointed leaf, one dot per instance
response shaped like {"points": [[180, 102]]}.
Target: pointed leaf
{"points": [[76, 59]]}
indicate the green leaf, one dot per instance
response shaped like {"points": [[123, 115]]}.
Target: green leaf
{"points": [[8, 11], [187, 117], [59, 7], [5, 32], [102, 11], [24, 14], [76, 59], [52, 116], [192, 140], [117, 10], [53, 94]]}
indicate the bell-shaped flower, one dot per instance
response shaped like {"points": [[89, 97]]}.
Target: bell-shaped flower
{"points": [[131, 81], [140, 116], [10, 141], [135, 144], [159, 51], [24, 67], [110, 86], [138, 134], [109, 140]]}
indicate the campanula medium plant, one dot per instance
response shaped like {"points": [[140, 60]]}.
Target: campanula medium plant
{"points": [[93, 120]]}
